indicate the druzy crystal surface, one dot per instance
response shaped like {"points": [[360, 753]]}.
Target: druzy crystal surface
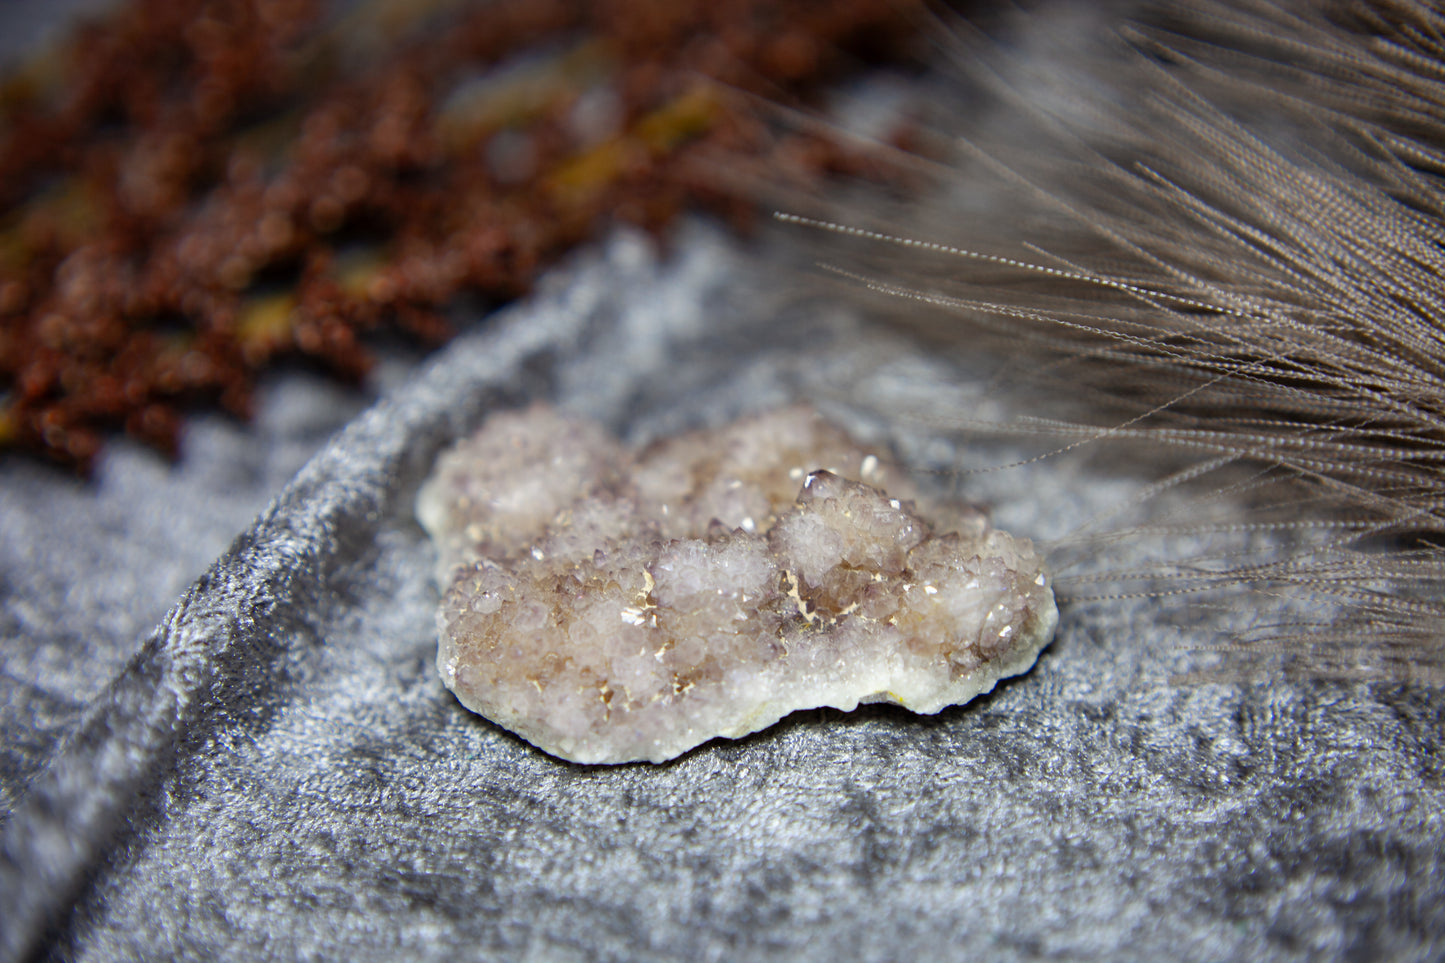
{"points": [[613, 606]]}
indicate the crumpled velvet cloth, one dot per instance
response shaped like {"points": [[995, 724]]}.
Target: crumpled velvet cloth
{"points": [[278, 773]]}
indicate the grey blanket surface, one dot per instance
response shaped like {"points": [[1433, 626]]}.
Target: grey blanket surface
{"points": [[276, 772]]}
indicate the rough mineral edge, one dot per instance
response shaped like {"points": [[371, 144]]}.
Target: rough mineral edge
{"points": [[611, 606]]}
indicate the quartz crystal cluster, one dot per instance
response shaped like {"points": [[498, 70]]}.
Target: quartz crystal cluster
{"points": [[612, 606]]}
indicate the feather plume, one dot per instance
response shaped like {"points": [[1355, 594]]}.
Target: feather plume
{"points": [[1214, 234]]}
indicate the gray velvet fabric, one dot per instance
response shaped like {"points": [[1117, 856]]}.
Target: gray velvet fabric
{"points": [[28, 25], [88, 568], [278, 773]]}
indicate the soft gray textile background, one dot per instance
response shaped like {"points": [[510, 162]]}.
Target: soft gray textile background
{"points": [[279, 774], [27, 25], [88, 569]]}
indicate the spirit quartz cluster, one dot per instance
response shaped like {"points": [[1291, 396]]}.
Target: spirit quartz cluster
{"points": [[613, 606]]}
